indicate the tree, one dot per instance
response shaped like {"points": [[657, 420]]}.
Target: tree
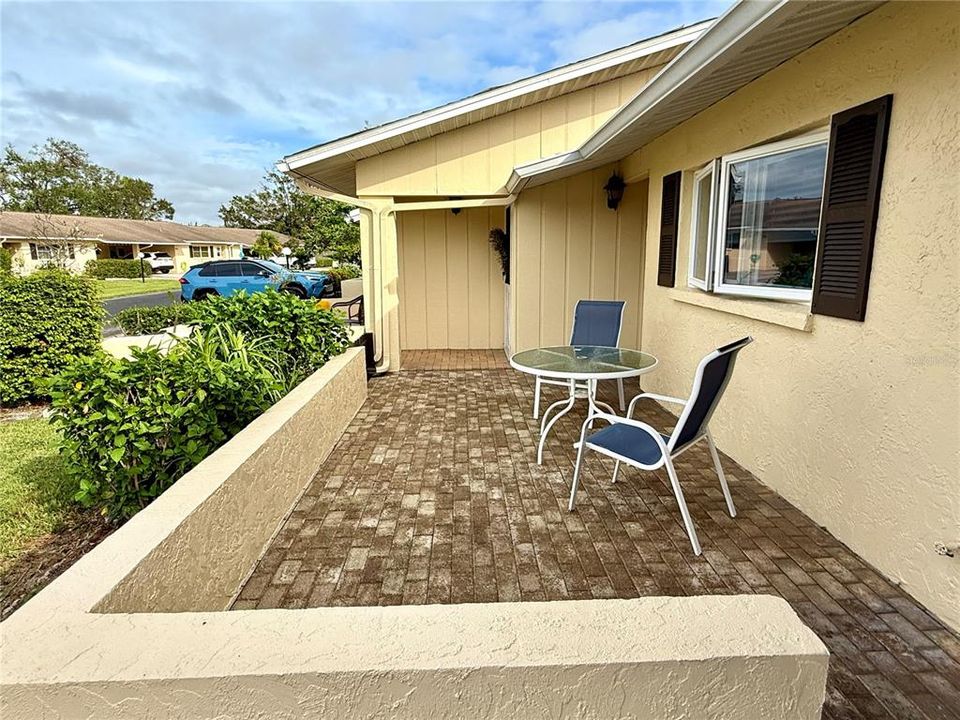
{"points": [[59, 178], [316, 225], [267, 245]]}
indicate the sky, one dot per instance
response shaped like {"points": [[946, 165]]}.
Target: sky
{"points": [[201, 99]]}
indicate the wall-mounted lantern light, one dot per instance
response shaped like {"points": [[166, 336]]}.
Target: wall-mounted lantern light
{"points": [[614, 189]]}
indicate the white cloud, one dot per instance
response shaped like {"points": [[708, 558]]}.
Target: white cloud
{"points": [[200, 98]]}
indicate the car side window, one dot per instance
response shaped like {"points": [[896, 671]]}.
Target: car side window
{"points": [[228, 269], [250, 269], [209, 271]]}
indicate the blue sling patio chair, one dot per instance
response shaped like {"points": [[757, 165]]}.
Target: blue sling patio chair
{"points": [[638, 444], [595, 322]]}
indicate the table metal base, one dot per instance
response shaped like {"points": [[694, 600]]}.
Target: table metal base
{"points": [[586, 389]]}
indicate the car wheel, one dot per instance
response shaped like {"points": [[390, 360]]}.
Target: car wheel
{"points": [[204, 294], [165, 271], [295, 290]]}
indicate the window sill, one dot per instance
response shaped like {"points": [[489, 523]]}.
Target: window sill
{"points": [[795, 316]]}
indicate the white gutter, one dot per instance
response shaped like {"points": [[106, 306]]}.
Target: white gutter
{"points": [[739, 21]]}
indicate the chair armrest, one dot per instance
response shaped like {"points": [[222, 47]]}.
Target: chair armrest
{"points": [[654, 396]]}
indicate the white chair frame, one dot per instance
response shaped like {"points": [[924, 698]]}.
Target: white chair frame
{"points": [[668, 450], [582, 386]]}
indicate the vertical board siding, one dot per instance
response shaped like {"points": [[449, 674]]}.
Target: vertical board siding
{"points": [[477, 159], [450, 286], [569, 246]]}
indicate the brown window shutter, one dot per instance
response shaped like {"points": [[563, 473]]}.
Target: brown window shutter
{"points": [[669, 215], [848, 219]]}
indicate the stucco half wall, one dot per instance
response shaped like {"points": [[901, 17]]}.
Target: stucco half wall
{"points": [[856, 423], [709, 658], [136, 628]]}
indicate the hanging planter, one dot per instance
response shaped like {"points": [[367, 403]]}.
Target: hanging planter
{"points": [[501, 245]]}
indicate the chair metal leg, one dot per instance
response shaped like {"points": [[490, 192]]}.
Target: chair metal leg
{"points": [[536, 400], [576, 468], [678, 493], [616, 469], [723, 479], [623, 404]]}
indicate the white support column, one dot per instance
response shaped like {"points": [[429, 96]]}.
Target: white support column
{"points": [[380, 261]]}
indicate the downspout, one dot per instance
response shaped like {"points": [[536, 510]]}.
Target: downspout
{"points": [[310, 186]]}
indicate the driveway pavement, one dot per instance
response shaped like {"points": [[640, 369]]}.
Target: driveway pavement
{"points": [[115, 305]]}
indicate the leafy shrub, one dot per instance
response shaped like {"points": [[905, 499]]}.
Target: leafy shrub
{"points": [[324, 262], [347, 271], [132, 427], [45, 318], [147, 320], [301, 336], [6, 261], [113, 268]]}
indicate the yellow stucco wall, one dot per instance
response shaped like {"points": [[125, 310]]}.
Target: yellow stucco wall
{"points": [[23, 264], [478, 159], [450, 284], [856, 423], [567, 246]]}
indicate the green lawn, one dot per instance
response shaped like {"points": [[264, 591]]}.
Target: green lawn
{"points": [[124, 287], [34, 492]]}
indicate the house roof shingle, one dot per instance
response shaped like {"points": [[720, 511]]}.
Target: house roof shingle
{"points": [[21, 225]]}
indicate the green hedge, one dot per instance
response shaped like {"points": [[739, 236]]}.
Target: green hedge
{"points": [[347, 271], [132, 427], [113, 268], [45, 318], [299, 335], [147, 320], [6, 261]]}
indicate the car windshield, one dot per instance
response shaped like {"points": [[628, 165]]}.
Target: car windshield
{"points": [[163, 255], [272, 266]]}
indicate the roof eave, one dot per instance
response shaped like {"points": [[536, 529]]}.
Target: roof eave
{"points": [[493, 96], [698, 58]]}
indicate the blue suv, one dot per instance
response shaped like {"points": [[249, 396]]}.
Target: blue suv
{"points": [[225, 277]]}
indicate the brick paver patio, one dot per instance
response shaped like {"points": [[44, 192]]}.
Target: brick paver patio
{"points": [[433, 495]]}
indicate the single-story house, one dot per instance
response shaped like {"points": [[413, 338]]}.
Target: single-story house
{"points": [[787, 171], [35, 239]]}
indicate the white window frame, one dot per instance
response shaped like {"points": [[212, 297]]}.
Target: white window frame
{"points": [[45, 252], [819, 137], [711, 169], [201, 251]]}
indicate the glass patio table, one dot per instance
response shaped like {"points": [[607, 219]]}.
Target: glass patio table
{"points": [[581, 367]]}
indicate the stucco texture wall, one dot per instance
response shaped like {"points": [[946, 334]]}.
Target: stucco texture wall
{"points": [[450, 283], [478, 159], [856, 423], [567, 245], [23, 264]]}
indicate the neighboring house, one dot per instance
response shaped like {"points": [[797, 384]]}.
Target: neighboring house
{"points": [[791, 174], [38, 239]]}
